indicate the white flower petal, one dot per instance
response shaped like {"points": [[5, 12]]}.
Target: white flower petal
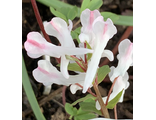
{"points": [[64, 66], [70, 25], [108, 54], [47, 74]]}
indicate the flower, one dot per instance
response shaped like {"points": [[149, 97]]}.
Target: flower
{"points": [[120, 84], [97, 33], [125, 58], [47, 74], [37, 46], [58, 27]]}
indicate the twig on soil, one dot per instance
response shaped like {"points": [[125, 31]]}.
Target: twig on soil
{"points": [[76, 23], [115, 49], [45, 99], [63, 95], [58, 103]]}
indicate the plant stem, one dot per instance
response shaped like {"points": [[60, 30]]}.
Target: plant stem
{"points": [[99, 98], [111, 90], [39, 20], [115, 112], [89, 90]]}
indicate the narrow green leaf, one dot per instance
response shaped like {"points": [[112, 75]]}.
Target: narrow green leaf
{"points": [[102, 72], [72, 13], [110, 15], [124, 20], [95, 4], [70, 109], [58, 14], [114, 101], [55, 3], [89, 105], [75, 35], [30, 94], [89, 96], [84, 5]]}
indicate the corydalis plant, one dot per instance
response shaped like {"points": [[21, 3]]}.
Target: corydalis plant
{"points": [[95, 34]]}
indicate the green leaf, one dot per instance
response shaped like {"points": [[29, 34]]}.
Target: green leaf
{"points": [[89, 96], [102, 72], [89, 105], [64, 11], [75, 34], [89, 55], [114, 101], [83, 115], [72, 13], [58, 14], [124, 20], [73, 67], [55, 3], [78, 30], [114, 17], [70, 109], [95, 4], [30, 94], [84, 5]]}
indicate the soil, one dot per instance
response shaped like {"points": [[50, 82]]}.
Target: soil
{"points": [[53, 109]]}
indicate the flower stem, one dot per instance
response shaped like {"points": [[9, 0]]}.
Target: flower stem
{"points": [[99, 98], [39, 20], [115, 112], [111, 90], [89, 90]]}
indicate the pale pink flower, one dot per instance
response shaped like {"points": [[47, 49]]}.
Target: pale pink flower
{"points": [[47, 74], [120, 84], [37, 46], [100, 32], [125, 58]]}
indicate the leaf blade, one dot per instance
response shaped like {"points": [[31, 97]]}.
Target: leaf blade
{"points": [[114, 101]]}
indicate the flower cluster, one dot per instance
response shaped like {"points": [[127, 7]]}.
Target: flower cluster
{"points": [[96, 32]]}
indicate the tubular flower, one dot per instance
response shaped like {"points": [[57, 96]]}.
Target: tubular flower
{"points": [[120, 84], [47, 74], [58, 28], [37, 46], [125, 58], [101, 31]]}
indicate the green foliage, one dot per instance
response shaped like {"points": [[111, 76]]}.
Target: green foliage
{"points": [[94, 4], [75, 34], [89, 55], [118, 19], [102, 72], [30, 94], [58, 14], [114, 101], [89, 96], [91, 4], [65, 13], [110, 15], [87, 108], [75, 67]]}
